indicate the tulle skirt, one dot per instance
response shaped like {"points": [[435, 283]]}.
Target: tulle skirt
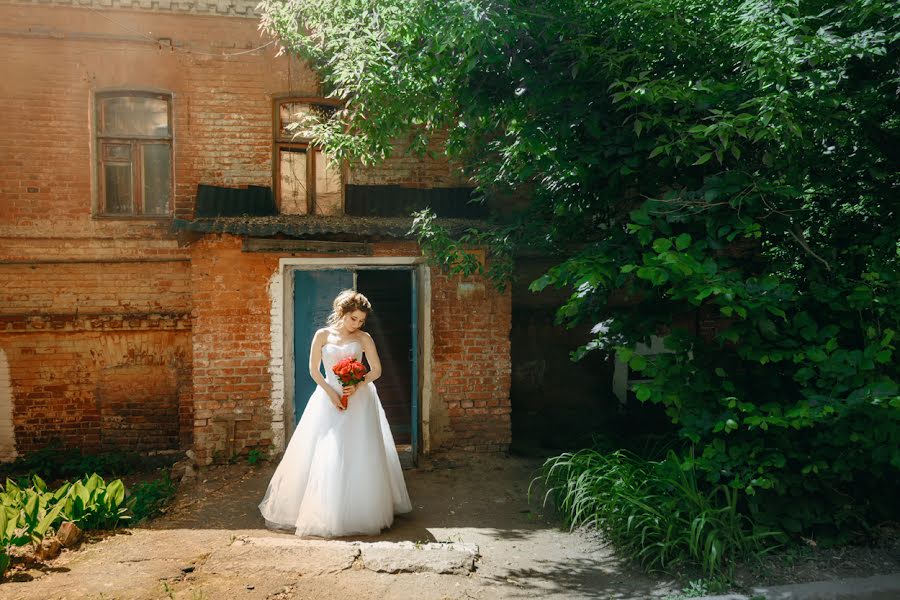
{"points": [[340, 474]]}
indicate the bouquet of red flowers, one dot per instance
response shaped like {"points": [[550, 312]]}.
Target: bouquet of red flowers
{"points": [[350, 372]]}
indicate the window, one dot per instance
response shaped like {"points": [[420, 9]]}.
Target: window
{"points": [[306, 180], [134, 154]]}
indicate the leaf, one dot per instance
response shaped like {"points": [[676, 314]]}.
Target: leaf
{"points": [[39, 483], [643, 393], [116, 492], [767, 327], [30, 511], [683, 241], [660, 245], [637, 363], [703, 159], [540, 283], [48, 520], [81, 494], [644, 236], [640, 216]]}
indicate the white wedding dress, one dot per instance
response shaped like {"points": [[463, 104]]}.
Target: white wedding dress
{"points": [[340, 474]]}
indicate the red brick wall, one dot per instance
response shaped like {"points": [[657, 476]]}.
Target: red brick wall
{"points": [[471, 365], [67, 383], [115, 333], [95, 312], [95, 288], [231, 346]]}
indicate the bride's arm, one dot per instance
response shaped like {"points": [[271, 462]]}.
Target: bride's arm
{"points": [[315, 359], [368, 345]]}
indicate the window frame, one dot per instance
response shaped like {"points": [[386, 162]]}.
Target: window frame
{"points": [[136, 142], [280, 142]]}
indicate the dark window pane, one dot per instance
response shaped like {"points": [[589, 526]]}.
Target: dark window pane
{"points": [[292, 167], [117, 181], [135, 115], [157, 182]]}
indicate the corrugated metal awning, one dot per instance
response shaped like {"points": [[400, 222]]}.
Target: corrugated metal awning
{"points": [[305, 227]]}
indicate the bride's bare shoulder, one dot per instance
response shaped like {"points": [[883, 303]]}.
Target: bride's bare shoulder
{"points": [[322, 334]]}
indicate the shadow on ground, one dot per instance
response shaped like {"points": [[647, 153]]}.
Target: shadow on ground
{"points": [[524, 551], [490, 494]]}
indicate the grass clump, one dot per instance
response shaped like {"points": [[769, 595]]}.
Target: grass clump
{"points": [[654, 511]]}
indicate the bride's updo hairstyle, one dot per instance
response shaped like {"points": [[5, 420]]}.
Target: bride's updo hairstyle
{"points": [[347, 302]]}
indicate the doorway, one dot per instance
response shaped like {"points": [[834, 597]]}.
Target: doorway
{"points": [[393, 324]]}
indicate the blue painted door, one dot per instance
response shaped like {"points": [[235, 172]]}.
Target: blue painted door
{"points": [[314, 292]]}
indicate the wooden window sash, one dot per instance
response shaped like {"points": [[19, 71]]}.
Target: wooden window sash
{"points": [[137, 143], [280, 142], [138, 175]]}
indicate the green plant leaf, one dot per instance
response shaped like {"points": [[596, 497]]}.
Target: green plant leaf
{"points": [[661, 244], [703, 158]]}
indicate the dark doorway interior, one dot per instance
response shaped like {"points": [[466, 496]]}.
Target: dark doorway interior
{"points": [[390, 324]]}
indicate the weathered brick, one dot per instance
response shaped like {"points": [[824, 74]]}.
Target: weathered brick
{"points": [[117, 333]]}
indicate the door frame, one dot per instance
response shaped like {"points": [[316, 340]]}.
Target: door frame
{"points": [[283, 351]]}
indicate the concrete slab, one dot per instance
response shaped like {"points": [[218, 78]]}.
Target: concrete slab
{"points": [[408, 557]]}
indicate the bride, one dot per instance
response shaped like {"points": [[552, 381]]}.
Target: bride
{"points": [[340, 474]]}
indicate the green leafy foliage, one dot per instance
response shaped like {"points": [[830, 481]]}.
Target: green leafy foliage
{"points": [[94, 504], [255, 456], [89, 502], [719, 173], [655, 512], [148, 499], [28, 512]]}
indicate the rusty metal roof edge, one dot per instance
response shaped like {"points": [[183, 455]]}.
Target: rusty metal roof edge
{"points": [[303, 226]]}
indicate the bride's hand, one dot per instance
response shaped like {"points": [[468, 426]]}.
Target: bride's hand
{"points": [[336, 400], [349, 390]]}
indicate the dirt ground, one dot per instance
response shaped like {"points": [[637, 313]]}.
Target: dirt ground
{"points": [[212, 544]]}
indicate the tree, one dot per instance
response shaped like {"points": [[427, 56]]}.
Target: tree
{"points": [[736, 160]]}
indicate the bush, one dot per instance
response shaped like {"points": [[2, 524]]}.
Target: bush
{"points": [[654, 512]]}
